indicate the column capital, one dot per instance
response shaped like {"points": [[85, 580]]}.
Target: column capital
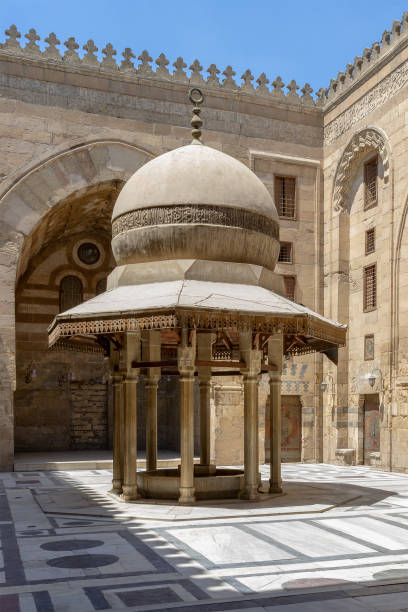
{"points": [[186, 361]]}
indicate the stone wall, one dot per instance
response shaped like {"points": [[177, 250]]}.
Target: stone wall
{"points": [[72, 130], [89, 416]]}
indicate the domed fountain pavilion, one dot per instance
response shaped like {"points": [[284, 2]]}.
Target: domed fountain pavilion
{"points": [[194, 294]]}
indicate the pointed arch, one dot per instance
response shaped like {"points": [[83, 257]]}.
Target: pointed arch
{"points": [[363, 142]]}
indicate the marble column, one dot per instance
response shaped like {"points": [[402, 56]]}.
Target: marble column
{"points": [[275, 353], [151, 351], [117, 476], [204, 353], [186, 367], [131, 353], [250, 373]]}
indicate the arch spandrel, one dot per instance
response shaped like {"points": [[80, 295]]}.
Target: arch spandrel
{"points": [[362, 143]]}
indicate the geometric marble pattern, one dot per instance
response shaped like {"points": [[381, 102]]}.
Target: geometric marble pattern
{"points": [[337, 540]]}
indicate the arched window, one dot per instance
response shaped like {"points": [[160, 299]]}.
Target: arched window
{"points": [[70, 293], [101, 286]]}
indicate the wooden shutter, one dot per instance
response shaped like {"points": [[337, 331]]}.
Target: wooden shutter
{"points": [[370, 241], [290, 283], [70, 293], [370, 287], [370, 183]]}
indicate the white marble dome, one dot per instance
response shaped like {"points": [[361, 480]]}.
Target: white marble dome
{"points": [[195, 202]]}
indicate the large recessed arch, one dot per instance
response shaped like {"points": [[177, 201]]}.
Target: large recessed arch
{"points": [[363, 142], [24, 202]]}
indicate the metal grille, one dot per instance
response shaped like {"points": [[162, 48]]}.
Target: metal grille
{"points": [[370, 287], [370, 183], [290, 283], [70, 294], [285, 253], [370, 241], [285, 188]]}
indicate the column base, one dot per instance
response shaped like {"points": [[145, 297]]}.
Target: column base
{"points": [[250, 494], [129, 493], [275, 488], [116, 487], [186, 495]]}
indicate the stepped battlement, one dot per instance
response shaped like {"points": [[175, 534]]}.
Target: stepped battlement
{"points": [[143, 66], [370, 60]]}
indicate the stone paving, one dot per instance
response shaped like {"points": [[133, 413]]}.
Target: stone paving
{"points": [[336, 541]]}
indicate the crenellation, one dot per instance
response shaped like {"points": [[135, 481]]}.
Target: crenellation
{"points": [[196, 77], [51, 52], [126, 64], [71, 56], [179, 74], [108, 63], [90, 58], [228, 82], [247, 86], [31, 47]]}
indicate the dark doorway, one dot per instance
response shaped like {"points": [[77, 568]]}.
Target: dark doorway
{"points": [[371, 426]]}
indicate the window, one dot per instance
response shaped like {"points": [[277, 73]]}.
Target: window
{"points": [[370, 241], [70, 292], [89, 253], [285, 253], [369, 347], [290, 283], [370, 183], [285, 188], [370, 288], [101, 286]]}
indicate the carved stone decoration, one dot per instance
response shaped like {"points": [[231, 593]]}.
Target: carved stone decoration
{"points": [[71, 56], [12, 43], [109, 62], [307, 97], [126, 64], [367, 103], [31, 48], [196, 78], [363, 142], [162, 70], [228, 82], [247, 86], [179, 74], [51, 52], [90, 58], [213, 80], [144, 67], [262, 88], [292, 95], [278, 85], [195, 214]]}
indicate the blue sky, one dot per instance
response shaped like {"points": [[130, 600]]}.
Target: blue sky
{"points": [[306, 41]]}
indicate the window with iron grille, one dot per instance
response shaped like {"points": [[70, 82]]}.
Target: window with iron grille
{"points": [[290, 283], [285, 253], [370, 183], [370, 287], [285, 190], [70, 292], [370, 241]]}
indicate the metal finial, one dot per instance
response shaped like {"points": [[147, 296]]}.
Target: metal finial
{"points": [[196, 97]]}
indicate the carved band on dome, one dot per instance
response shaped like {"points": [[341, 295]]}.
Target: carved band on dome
{"points": [[196, 214]]}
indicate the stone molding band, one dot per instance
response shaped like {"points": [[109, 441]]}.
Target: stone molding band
{"points": [[195, 214]]}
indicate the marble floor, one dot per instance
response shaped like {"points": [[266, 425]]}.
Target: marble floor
{"points": [[337, 540]]}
